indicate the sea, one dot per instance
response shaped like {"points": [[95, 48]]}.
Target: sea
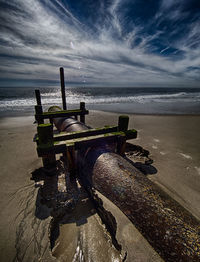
{"points": [[19, 101]]}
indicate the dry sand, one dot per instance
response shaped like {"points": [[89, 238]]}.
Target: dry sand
{"points": [[173, 142]]}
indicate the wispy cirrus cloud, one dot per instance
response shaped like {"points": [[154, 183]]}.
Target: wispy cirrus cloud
{"points": [[102, 43]]}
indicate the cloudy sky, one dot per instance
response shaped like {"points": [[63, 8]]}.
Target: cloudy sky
{"points": [[100, 42]]}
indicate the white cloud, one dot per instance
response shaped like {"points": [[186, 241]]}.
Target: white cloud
{"points": [[42, 41]]}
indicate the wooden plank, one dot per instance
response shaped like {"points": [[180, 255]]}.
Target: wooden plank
{"points": [[101, 140], [63, 113], [85, 133], [94, 140], [86, 141], [49, 150], [130, 134]]}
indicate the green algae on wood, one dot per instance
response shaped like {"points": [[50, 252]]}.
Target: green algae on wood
{"points": [[130, 134], [45, 142], [85, 138], [63, 113], [85, 133], [45, 134]]}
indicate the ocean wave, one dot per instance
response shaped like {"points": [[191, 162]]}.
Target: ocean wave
{"points": [[53, 98]]}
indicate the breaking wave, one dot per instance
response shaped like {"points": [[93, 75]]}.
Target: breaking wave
{"points": [[25, 100], [74, 98]]}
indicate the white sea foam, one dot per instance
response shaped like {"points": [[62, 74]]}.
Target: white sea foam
{"points": [[162, 153], [156, 140], [26, 102], [147, 102], [185, 156], [75, 98], [198, 169]]}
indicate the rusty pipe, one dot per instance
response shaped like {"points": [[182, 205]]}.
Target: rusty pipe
{"points": [[66, 124], [172, 231]]}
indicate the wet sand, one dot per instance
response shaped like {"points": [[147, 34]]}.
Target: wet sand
{"points": [[24, 222], [18, 224]]}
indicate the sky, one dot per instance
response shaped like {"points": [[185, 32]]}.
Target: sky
{"points": [[139, 43]]}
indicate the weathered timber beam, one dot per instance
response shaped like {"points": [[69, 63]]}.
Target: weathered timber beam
{"points": [[84, 143], [57, 147], [51, 150], [94, 133], [85, 133], [130, 134], [63, 113]]}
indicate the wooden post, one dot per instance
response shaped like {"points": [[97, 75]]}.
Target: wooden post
{"points": [[82, 116], [123, 123], [122, 126], [71, 161], [45, 139], [45, 134], [62, 82], [121, 145], [38, 97], [38, 113]]}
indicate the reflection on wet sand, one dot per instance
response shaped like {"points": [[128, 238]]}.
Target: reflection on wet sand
{"points": [[76, 230]]}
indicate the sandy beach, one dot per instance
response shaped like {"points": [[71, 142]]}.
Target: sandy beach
{"points": [[173, 143], [98, 189]]}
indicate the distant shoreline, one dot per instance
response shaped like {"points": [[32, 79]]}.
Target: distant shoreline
{"points": [[29, 114], [142, 101]]}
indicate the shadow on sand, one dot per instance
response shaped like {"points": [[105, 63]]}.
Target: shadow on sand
{"points": [[61, 197], [66, 201], [139, 158]]}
